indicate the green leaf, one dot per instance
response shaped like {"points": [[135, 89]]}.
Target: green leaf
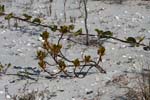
{"points": [[9, 64], [15, 24], [71, 27], [45, 35], [42, 64], [55, 48], [64, 29], [101, 51], [99, 32], [27, 17], [76, 62], [2, 8], [131, 39], [36, 20], [87, 58], [140, 39], [78, 32], [41, 55], [107, 33], [102, 33], [53, 28], [62, 65], [9, 16]]}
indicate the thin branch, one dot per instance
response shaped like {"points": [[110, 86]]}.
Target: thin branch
{"points": [[85, 22]]}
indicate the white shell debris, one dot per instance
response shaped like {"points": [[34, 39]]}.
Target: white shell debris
{"points": [[94, 84], [14, 41], [41, 39], [124, 46], [61, 14], [117, 17], [8, 96], [28, 44], [113, 48], [130, 58], [124, 56], [125, 12], [40, 48], [73, 99], [55, 70], [19, 50], [82, 22], [64, 39], [3, 32], [21, 54], [141, 55], [88, 9], [1, 92]]}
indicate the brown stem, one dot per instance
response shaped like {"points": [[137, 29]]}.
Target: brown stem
{"points": [[85, 21]]}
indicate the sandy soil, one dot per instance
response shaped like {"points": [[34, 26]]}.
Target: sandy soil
{"points": [[122, 62]]}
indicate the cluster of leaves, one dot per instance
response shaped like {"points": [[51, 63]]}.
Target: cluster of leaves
{"points": [[55, 52], [26, 17], [133, 41]]}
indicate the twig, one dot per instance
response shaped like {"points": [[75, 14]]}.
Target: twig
{"points": [[85, 21], [26, 76]]}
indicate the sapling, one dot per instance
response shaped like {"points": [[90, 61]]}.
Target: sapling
{"points": [[54, 50]]}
